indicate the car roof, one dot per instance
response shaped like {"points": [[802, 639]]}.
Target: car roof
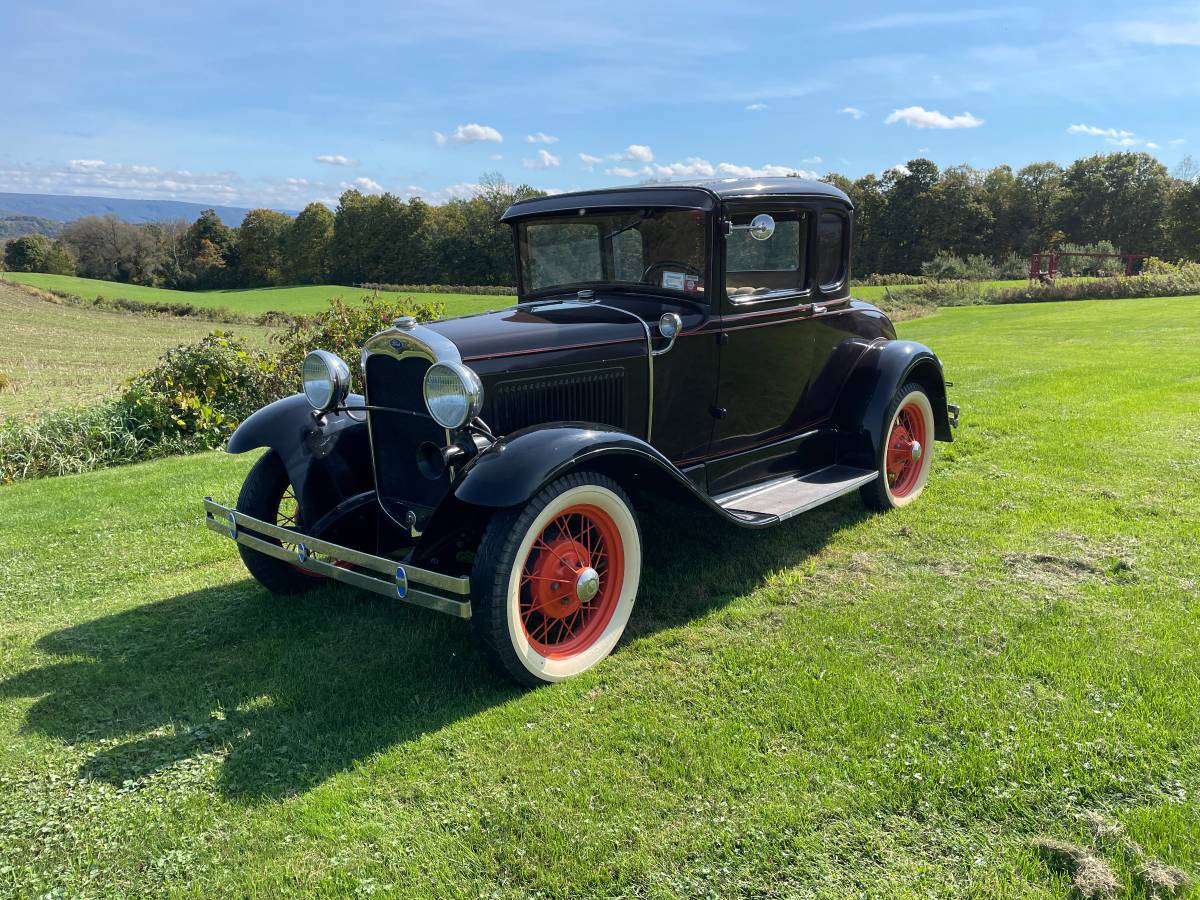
{"points": [[701, 194]]}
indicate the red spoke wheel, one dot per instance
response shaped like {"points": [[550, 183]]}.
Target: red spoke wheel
{"points": [[554, 582], [907, 452], [571, 580]]}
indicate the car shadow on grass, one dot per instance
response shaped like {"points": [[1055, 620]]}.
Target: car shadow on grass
{"points": [[282, 693]]}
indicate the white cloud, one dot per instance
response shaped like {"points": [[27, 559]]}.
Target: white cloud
{"points": [[540, 137], [84, 165], [1161, 34], [365, 184], [1094, 131], [634, 153], [899, 169], [919, 117], [852, 111], [1123, 142], [813, 160], [755, 107], [545, 160], [335, 159], [588, 160], [1150, 145], [697, 167], [470, 134], [496, 156], [1177, 141]]}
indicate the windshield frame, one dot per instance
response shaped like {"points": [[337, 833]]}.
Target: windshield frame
{"points": [[624, 214]]}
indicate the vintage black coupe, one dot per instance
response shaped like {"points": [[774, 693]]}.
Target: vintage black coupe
{"points": [[693, 341]]}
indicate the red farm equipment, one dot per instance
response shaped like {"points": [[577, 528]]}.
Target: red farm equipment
{"points": [[1051, 258]]}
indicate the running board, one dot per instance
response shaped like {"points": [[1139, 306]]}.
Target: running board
{"points": [[782, 498]]}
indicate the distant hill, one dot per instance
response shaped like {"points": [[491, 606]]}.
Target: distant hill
{"points": [[62, 208], [15, 226]]}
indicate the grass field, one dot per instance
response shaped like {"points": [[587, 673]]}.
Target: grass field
{"points": [[297, 300], [845, 706], [55, 355]]}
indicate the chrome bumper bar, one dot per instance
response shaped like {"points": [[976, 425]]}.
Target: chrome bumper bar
{"points": [[398, 578]]}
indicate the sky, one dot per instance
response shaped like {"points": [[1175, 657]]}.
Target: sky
{"points": [[283, 103]]}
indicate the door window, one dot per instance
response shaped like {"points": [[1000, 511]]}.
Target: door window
{"points": [[759, 268]]}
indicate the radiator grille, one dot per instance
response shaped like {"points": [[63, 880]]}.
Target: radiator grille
{"points": [[597, 396], [395, 436]]}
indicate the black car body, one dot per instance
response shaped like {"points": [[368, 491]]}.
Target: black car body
{"points": [[693, 340]]}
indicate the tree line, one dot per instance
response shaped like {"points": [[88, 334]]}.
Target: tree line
{"points": [[909, 219]]}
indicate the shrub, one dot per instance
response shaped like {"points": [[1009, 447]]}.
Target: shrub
{"points": [[68, 441], [491, 290], [344, 328], [887, 280], [192, 400], [199, 392]]}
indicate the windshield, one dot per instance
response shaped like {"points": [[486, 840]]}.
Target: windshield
{"points": [[654, 248]]}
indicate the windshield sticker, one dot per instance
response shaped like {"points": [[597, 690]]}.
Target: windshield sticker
{"points": [[673, 280], [691, 284]]}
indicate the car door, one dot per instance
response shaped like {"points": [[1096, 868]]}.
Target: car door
{"points": [[767, 354]]}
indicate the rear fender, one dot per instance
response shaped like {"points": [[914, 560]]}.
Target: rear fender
{"points": [[327, 460], [861, 410]]}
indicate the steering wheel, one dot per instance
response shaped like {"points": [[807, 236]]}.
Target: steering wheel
{"points": [[687, 268]]}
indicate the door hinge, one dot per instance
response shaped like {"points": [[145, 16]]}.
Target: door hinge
{"points": [[722, 339], [718, 412]]}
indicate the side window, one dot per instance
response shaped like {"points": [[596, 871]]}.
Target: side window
{"points": [[831, 238], [758, 268]]}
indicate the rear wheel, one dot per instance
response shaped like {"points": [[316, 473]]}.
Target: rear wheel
{"points": [[555, 581], [907, 452], [267, 494]]}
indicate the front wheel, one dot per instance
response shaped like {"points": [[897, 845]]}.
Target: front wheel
{"points": [[267, 494], [555, 580], [907, 452]]}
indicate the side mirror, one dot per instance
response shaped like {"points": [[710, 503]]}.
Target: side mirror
{"points": [[761, 227]]}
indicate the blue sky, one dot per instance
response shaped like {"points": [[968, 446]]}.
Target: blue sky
{"points": [[278, 104]]}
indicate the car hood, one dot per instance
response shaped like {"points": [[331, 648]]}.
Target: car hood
{"points": [[538, 327]]}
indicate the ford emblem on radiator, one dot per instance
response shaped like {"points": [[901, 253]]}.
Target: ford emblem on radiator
{"points": [[397, 344]]}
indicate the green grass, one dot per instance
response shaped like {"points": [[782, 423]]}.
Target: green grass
{"points": [[845, 706], [298, 300], [56, 355]]}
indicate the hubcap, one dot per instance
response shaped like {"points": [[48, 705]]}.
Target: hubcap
{"points": [[587, 585]]}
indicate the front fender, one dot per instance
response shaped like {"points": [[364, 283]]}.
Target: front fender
{"points": [[513, 469], [862, 408], [328, 461]]}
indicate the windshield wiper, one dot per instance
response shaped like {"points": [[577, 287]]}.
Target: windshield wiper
{"points": [[636, 223]]}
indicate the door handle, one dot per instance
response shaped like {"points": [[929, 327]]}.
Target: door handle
{"points": [[820, 309]]}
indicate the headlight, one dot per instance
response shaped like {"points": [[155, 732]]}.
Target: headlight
{"points": [[453, 394], [326, 380]]}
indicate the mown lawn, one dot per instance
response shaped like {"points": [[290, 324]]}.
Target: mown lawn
{"points": [[299, 300], [53, 355], [848, 705]]}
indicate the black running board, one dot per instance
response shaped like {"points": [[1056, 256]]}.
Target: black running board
{"points": [[781, 498]]}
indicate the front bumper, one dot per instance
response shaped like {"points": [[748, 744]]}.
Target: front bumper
{"points": [[445, 593]]}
